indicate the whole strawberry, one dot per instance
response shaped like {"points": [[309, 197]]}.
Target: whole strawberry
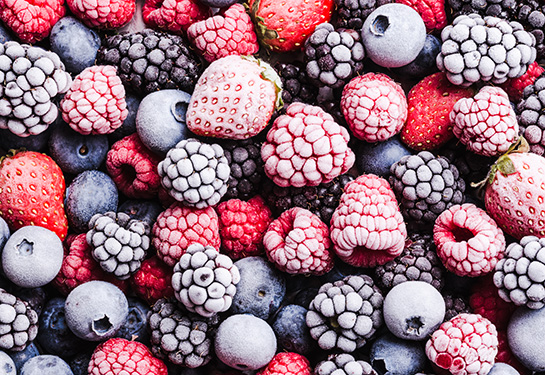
{"points": [[32, 192]]}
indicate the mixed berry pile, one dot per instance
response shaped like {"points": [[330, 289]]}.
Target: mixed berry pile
{"points": [[272, 187]]}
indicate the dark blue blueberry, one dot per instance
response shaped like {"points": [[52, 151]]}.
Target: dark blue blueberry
{"points": [[9, 141], [218, 3], [129, 125], [20, 358], [376, 158], [76, 44], [292, 331], [143, 210], [80, 362], [304, 297], [4, 233], [36, 297], [5, 35], [75, 152], [135, 327], [46, 365], [339, 271], [425, 63], [390, 355]]}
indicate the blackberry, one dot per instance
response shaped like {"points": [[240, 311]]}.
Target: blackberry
{"points": [[418, 261], [352, 13], [454, 305], [531, 14], [322, 200], [296, 86], [530, 116], [18, 322], [425, 186], [343, 364], [150, 60], [505, 9]]}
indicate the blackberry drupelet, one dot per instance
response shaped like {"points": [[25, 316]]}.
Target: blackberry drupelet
{"points": [[531, 117], [505, 9], [352, 13], [18, 323], [531, 14], [343, 364], [296, 86], [454, 305]]}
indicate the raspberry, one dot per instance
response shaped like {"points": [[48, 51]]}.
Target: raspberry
{"points": [[231, 32], [287, 363], [242, 226], [306, 147], [485, 301], [174, 16], [118, 356], [367, 228], [134, 168], [103, 14], [153, 280], [432, 12], [486, 124], [514, 87], [465, 345], [95, 103], [178, 227], [374, 106], [505, 355], [31, 20], [469, 242]]}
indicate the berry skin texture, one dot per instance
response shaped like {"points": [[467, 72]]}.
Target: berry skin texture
{"points": [[432, 12], [469, 242], [287, 363], [515, 86], [173, 16], [465, 345], [31, 192], [118, 356], [485, 301], [231, 32], [103, 14], [368, 199], [298, 243], [31, 20], [153, 280], [306, 147], [374, 106]]}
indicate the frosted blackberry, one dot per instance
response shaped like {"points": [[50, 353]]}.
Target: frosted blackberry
{"points": [[498, 8], [333, 57], [487, 49], [418, 261], [195, 173], [119, 243], [352, 13], [531, 14], [30, 80], [520, 275], [531, 117], [18, 322], [425, 186], [454, 305], [343, 364], [150, 60], [346, 313], [204, 280], [296, 86], [179, 336]]}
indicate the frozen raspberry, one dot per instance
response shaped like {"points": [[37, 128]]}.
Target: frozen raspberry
{"points": [[306, 147], [287, 363], [173, 16], [465, 345], [153, 280], [432, 12], [367, 228], [31, 20], [118, 356], [505, 355], [242, 226], [231, 32], [485, 301], [178, 227], [298, 243], [133, 168], [374, 106], [469, 242], [486, 124], [515, 86], [95, 103], [103, 14]]}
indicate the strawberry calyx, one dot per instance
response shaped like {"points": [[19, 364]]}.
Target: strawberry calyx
{"points": [[261, 29], [269, 74], [11, 153]]}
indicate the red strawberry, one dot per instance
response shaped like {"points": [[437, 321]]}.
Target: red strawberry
{"points": [[32, 192], [430, 101], [284, 26]]}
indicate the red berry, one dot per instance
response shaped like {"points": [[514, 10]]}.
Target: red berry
{"points": [[287, 363], [515, 87], [103, 14], [174, 16], [485, 301], [153, 280], [432, 12]]}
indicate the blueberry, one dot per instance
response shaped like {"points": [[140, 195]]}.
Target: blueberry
{"points": [[36, 297], [391, 355], [4, 233], [5, 35], [75, 152], [525, 334], [500, 368], [292, 331], [91, 192], [218, 3], [376, 158], [38, 142], [129, 125], [46, 365], [80, 362], [144, 210], [7, 366], [135, 327], [304, 296], [76, 44], [260, 290], [20, 358], [425, 63]]}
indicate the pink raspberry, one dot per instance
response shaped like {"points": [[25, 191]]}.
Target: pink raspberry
{"points": [[31, 20], [287, 363], [486, 124], [95, 104], [432, 12], [103, 14], [465, 345], [134, 168], [178, 227], [174, 16], [514, 87], [231, 32], [306, 147], [469, 242], [485, 301], [374, 106], [153, 280], [367, 228], [242, 226], [298, 243]]}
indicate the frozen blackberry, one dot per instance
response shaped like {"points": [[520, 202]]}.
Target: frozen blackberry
{"points": [[352, 13], [498, 8], [30, 80], [296, 86], [322, 200], [454, 305], [531, 117], [425, 186], [343, 364], [18, 322], [531, 14], [346, 313], [150, 60], [179, 336], [333, 57], [418, 261], [119, 243]]}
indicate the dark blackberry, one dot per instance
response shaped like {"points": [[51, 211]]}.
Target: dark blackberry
{"points": [[150, 60], [531, 117], [418, 261], [296, 86], [352, 13], [531, 14], [454, 305], [505, 9], [18, 323], [343, 364]]}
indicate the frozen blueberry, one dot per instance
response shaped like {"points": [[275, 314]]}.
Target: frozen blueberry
{"points": [[46, 365], [129, 125], [4, 233], [96, 310], [500, 368], [80, 362], [38, 142], [292, 331], [425, 63], [7, 366], [218, 3], [5, 35], [20, 358], [143, 210], [525, 334], [261, 288], [36, 297], [391, 355], [135, 327], [377, 158]]}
